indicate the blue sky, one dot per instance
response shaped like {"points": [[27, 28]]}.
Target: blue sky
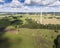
{"points": [[30, 6], [8, 1]]}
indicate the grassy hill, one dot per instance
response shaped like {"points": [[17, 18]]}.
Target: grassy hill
{"points": [[32, 38], [26, 37]]}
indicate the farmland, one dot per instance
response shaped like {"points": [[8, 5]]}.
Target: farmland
{"points": [[26, 36]]}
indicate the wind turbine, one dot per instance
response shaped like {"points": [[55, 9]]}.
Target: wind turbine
{"points": [[45, 3]]}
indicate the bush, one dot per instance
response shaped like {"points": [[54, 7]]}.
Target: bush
{"points": [[21, 16], [57, 17], [50, 17], [33, 24], [56, 31], [4, 22], [52, 37]]}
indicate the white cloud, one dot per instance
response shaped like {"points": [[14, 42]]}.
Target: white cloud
{"points": [[30, 9], [15, 3], [1, 0], [47, 2], [37, 1], [16, 6], [43, 2], [27, 2], [57, 3]]}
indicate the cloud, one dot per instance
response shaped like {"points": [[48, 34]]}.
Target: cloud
{"points": [[47, 2], [16, 6], [32, 2], [40, 2], [27, 2], [57, 3], [30, 9], [13, 4], [1, 0]]}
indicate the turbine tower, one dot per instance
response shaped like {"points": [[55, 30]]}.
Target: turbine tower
{"points": [[45, 3]]}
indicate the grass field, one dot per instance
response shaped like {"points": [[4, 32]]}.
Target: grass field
{"points": [[49, 19], [32, 38], [29, 38]]}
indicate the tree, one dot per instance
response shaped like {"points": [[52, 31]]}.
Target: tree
{"points": [[4, 41], [17, 23], [57, 42], [4, 22]]}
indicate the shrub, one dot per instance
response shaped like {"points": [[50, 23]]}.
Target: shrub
{"points": [[33, 24], [52, 37], [21, 16], [57, 17], [50, 17], [56, 31], [4, 22]]}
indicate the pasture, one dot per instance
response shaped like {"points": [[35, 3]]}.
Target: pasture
{"points": [[46, 19], [27, 37], [32, 38]]}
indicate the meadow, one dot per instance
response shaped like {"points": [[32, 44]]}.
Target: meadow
{"points": [[23, 37]]}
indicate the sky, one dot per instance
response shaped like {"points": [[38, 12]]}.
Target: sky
{"points": [[29, 5]]}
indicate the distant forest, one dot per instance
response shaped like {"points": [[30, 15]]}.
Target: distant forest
{"points": [[56, 13]]}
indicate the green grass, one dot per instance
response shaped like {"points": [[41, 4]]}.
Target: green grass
{"points": [[31, 38], [26, 38]]}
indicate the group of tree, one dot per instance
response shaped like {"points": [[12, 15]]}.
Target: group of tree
{"points": [[34, 25], [16, 22], [57, 42]]}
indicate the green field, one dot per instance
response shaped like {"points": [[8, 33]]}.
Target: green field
{"points": [[26, 37], [32, 38]]}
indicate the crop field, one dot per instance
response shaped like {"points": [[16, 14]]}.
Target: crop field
{"points": [[13, 36], [46, 19]]}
